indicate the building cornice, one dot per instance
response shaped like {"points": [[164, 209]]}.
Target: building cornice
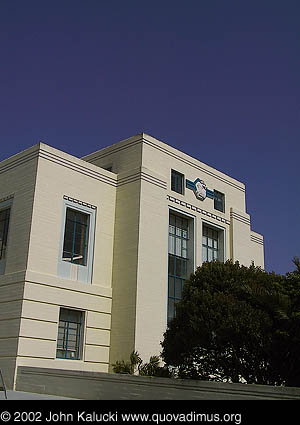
{"points": [[168, 150], [194, 208]]}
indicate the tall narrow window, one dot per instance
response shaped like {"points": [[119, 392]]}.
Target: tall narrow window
{"points": [[219, 201], [178, 260], [4, 225], [70, 332], [177, 181], [212, 244], [76, 237]]}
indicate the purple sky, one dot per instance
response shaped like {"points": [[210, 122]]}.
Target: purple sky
{"points": [[217, 79]]}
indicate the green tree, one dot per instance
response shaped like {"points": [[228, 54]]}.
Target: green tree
{"points": [[289, 353], [135, 366], [234, 324]]}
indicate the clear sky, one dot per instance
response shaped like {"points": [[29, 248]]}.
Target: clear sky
{"points": [[217, 79]]}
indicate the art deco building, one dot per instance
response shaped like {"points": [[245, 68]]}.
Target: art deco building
{"points": [[94, 252]]}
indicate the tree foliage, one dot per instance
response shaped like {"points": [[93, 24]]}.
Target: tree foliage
{"points": [[135, 366], [237, 324]]}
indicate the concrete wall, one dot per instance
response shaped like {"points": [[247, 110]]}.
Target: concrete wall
{"points": [[125, 298], [144, 199], [17, 186], [61, 175], [103, 386]]}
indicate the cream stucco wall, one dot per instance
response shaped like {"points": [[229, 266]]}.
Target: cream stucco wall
{"points": [[125, 301], [144, 199], [37, 180], [17, 184]]}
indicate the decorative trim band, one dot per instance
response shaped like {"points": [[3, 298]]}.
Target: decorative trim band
{"points": [[18, 161], [197, 209], [81, 168], [240, 218], [6, 198], [167, 152], [192, 164], [56, 159], [255, 239], [142, 175], [77, 201]]}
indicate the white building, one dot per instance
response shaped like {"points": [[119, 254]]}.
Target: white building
{"points": [[94, 251]]}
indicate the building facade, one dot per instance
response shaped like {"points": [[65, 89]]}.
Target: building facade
{"points": [[94, 252]]}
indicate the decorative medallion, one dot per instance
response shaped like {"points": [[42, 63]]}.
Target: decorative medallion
{"points": [[200, 189]]}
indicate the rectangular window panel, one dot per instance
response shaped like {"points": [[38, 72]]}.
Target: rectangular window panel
{"points": [[177, 181], [210, 244], [178, 289], [178, 261], [204, 253], [4, 225], [171, 287], [219, 201], [69, 334], [75, 247], [171, 309]]}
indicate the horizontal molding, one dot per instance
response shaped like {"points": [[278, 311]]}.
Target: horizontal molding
{"points": [[13, 163], [77, 201], [239, 217], [98, 328], [77, 165], [165, 150], [36, 357], [67, 306], [142, 175], [257, 240], [96, 345], [197, 209], [9, 357], [37, 338], [6, 198], [112, 150], [10, 318], [57, 286], [54, 322], [192, 164], [81, 168], [9, 337]]}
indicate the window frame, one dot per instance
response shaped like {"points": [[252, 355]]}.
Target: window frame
{"points": [[75, 225], [6, 220], [175, 176], [217, 200], [73, 271], [66, 331], [184, 262], [221, 241], [6, 204]]}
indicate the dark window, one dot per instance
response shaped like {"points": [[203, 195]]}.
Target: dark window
{"points": [[178, 261], [210, 244], [76, 237], [4, 224], [219, 201], [177, 181], [69, 334]]}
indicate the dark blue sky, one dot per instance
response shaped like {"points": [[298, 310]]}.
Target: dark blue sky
{"points": [[218, 79]]}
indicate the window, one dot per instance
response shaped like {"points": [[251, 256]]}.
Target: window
{"points": [[69, 339], [76, 237], [219, 201], [4, 224], [77, 240], [178, 260], [177, 182], [212, 244]]}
